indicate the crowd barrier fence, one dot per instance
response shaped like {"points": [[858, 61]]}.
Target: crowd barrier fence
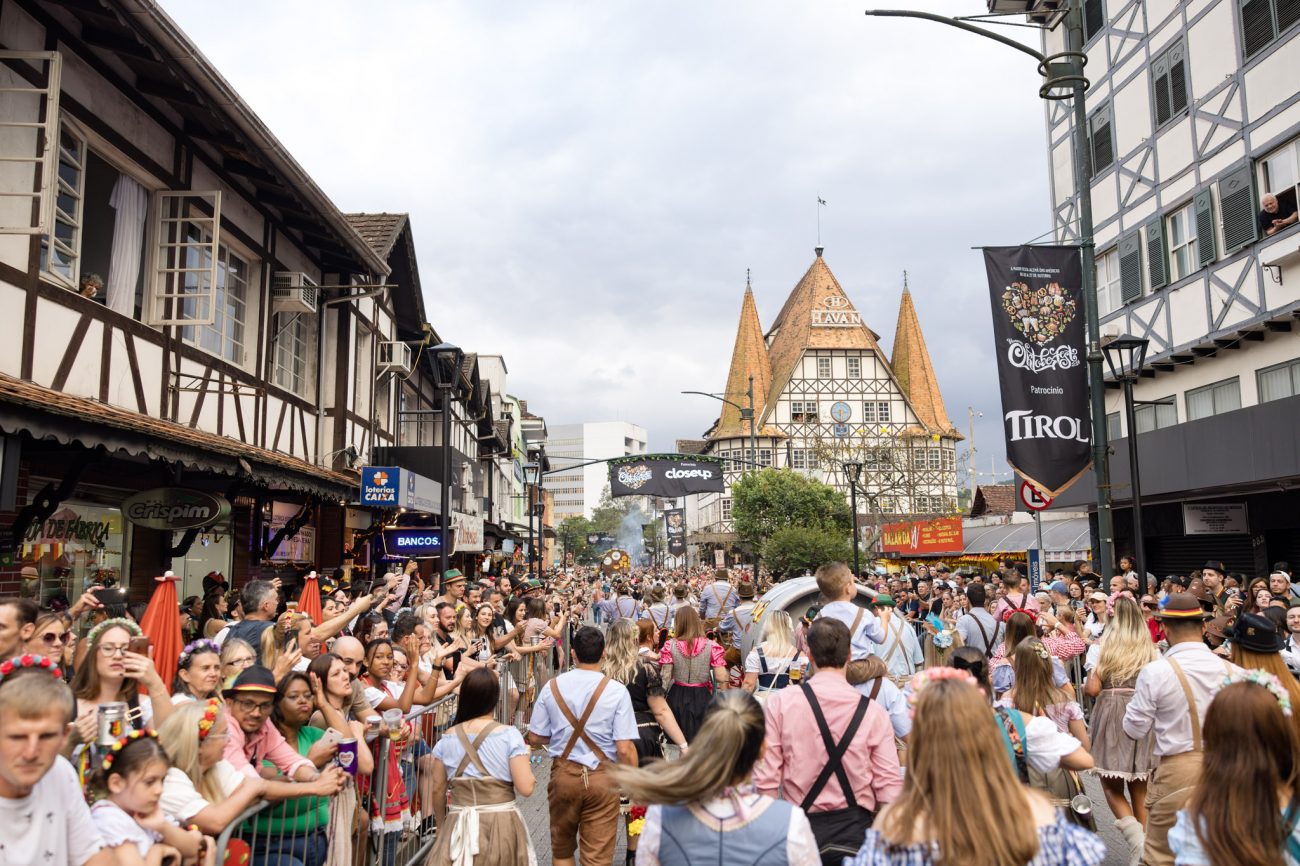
{"points": [[381, 818]]}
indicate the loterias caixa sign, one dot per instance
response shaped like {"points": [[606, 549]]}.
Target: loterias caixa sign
{"points": [[664, 476], [1038, 329]]}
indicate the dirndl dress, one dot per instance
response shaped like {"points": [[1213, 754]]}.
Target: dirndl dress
{"points": [[483, 824], [1115, 754]]}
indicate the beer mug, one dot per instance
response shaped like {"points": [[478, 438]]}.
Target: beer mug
{"points": [[796, 674]]}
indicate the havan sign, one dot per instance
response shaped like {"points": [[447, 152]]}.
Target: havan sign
{"points": [[835, 312]]}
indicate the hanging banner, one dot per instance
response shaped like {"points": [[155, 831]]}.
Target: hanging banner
{"points": [[668, 476], [675, 529], [941, 535], [1038, 331]]}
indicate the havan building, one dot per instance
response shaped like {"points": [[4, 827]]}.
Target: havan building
{"points": [[824, 392]]}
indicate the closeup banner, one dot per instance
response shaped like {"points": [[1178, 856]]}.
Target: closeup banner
{"points": [[1038, 331], [669, 477]]}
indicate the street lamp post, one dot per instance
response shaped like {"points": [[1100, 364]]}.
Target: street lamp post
{"points": [[1064, 78], [532, 477], [746, 414], [539, 510], [853, 469], [1125, 356], [453, 355]]}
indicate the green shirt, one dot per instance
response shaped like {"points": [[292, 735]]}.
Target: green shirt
{"points": [[301, 815]]}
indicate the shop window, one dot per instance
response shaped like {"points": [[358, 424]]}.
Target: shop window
{"points": [[823, 368], [1279, 381], [1214, 399], [81, 544], [295, 354], [855, 368], [1156, 415]]}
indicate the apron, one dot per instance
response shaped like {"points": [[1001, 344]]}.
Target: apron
{"points": [[483, 825]]}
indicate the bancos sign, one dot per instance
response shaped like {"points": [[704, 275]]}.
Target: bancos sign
{"points": [[175, 508]]}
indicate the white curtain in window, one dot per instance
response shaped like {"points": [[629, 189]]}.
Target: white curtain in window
{"points": [[131, 201]]}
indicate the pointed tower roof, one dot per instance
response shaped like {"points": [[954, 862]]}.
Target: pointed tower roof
{"points": [[914, 372], [817, 315], [748, 358]]}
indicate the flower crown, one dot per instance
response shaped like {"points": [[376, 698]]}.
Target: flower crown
{"points": [[933, 675], [209, 718], [116, 622], [1265, 679], [196, 648], [29, 660], [122, 743]]}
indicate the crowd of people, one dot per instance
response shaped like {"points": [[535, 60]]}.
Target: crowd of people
{"points": [[915, 717]]}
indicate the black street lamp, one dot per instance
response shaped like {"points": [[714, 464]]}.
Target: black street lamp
{"points": [[853, 469], [446, 364], [535, 557], [1125, 356], [532, 477]]}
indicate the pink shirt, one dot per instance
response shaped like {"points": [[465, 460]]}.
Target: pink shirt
{"points": [[245, 753], [717, 656], [796, 751], [1024, 601]]}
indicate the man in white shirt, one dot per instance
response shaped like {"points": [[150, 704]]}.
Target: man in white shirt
{"points": [[836, 584], [42, 809], [585, 721], [1171, 697], [718, 598]]}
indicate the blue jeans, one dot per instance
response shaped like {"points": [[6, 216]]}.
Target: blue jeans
{"points": [[309, 849]]}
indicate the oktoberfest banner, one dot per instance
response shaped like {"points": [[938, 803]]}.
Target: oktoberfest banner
{"points": [[1038, 329], [675, 529], [669, 477]]}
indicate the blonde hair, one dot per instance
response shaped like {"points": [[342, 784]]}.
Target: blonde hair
{"points": [[622, 642], [723, 752], [179, 735], [959, 783], [1273, 664], [1126, 645], [832, 578], [778, 633]]}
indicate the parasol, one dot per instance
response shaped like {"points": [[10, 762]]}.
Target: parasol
{"points": [[309, 600], [162, 624]]}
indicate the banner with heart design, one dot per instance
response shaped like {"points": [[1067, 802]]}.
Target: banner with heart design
{"points": [[1038, 330]]}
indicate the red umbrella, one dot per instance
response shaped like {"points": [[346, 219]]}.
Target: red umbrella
{"points": [[309, 601], [162, 623]]}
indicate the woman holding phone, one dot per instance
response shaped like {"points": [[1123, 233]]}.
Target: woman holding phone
{"points": [[114, 667]]}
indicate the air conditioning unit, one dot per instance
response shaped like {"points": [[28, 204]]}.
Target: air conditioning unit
{"points": [[394, 357], [293, 292]]}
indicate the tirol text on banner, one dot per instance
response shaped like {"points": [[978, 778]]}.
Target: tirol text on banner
{"points": [[675, 529], [666, 475], [1038, 329]]}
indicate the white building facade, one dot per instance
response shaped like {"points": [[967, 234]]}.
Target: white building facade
{"points": [[1193, 119], [578, 490]]}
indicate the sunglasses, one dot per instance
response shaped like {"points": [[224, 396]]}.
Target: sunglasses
{"points": [[50, 638]]}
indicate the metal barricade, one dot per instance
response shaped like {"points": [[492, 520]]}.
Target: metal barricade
{"points": [[382, 818]]}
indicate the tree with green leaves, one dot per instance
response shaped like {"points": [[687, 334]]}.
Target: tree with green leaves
{"points": [[769, 500], [572, 537], [793, 550], [607, 517]]}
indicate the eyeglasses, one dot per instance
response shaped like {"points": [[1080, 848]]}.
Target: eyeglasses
{"points": [[241, 663], [110, 650], [248, 706], [51, 638], [1148, 606]]}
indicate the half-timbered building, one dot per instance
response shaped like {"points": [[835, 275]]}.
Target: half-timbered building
{"points": [[824, 393]]}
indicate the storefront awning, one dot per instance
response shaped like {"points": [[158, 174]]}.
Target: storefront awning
{"points": [[1062, 539], [46, 414]]}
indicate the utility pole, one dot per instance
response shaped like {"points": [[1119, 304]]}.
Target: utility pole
{"points": [[971, 452]]}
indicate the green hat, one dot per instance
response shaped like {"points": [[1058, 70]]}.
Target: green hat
{"points": [[530, 585], [883, 599], [452, 574]]}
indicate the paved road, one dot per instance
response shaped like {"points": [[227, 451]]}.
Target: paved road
{"points": [[536, 817]]}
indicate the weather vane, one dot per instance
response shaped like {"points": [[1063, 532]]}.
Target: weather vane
{"points": [[821, 203]]}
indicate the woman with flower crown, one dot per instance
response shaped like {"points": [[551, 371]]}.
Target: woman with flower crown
{"points": [[1252, 749], [705, 801], [110, 673]]}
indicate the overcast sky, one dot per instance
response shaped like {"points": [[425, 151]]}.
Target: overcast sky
{"points": [[588, 181]]}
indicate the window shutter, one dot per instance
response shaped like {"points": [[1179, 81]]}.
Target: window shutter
{"points": [[1160, 86], [1237, 210], [1130, 267], [1256, 25], [29, 144], [1103, 149], [1177, 80], [1094, 15], [1203, 206], [188, 231], [1288, 13], [1157, 260]]}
